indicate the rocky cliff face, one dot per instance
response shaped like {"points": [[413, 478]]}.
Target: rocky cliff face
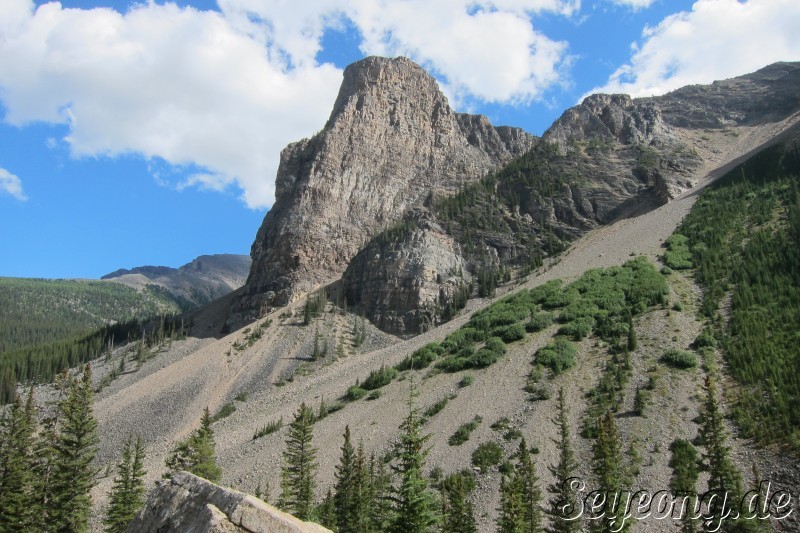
{"points": [[393, 148], [190, 503], [391, 142]]}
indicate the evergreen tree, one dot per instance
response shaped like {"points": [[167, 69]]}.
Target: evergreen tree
{"points": [[377, 499], [348, 490], [17, 428], [326, 512], [75, 448], [610, 474], [44, 466], [564, 502], [458, 513], [415, 505], [197, 453], [299, 466], [685, 463], [127, 493], [520, 496], [724, 477]]}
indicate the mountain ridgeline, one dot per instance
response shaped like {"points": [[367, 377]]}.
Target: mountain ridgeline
{"points": [[415, 208]]}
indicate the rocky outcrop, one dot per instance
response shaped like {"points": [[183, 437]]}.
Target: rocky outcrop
{"points": [[404, 277], [190, 503], [393, 147], [391, 142]]}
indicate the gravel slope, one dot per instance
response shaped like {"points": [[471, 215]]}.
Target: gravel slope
{"points": [[164, 399]]}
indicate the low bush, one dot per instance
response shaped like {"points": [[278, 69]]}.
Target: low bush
{"points": [[271, 427], [379, 378], [355, 393], [434, 409], [578, 329], [680, 359], [463, 432], [466, 381], [225, 410], [539, 321], [487, 455], [558, 356]]}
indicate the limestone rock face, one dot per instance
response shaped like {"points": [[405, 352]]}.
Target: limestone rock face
{"points": [[399, 279], [390, 142], [190, 503]]}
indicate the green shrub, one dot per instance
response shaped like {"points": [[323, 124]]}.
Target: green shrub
{"points": [[512, 434], [355, 393], [705, 339], [513, 333], [501, 424], [578, 329], [482, 358], [495, 344], [379, 378], [558, 356], [434, 409], [487, 455], [680, 358], [225, 410], [453, 364], [374, 395], [678, 256], [466, 381], [271, 427], [539, 321], [463, 432], [421, 358]]}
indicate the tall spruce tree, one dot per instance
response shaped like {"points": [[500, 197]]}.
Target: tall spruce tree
{"points": [[564, 501], [378, 495], [458, 513], [685, 464], [348, 492], [298, 476], [197, 453], [44, 466], [724, 478], [75, 448], [17, 429], [127, 493], [611, 476], [521, 496], [415, 505]]}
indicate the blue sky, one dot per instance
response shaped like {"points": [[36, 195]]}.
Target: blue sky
{"points": [[150, 132]]}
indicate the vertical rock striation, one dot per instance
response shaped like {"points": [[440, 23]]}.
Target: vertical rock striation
{"points": [[390, 143]]}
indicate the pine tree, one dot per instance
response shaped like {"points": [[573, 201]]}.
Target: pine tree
{"points": [[299, 466], [520, 496], [75, 449], [44, 466], [347, 489], [415, 508], [326, 512], [17, 428], [377, 499], [564, 502], [610, 474], [457, 511], [127, 492], [724, 477], [197, 453], [685, 464]]}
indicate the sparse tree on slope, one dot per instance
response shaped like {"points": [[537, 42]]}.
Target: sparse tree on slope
{"points": [[127, 493], [197, 453], [564, 501], [17, 428], [299, 466], [75, 449], [415, 504]]}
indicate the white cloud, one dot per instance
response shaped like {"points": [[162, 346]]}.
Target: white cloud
{"points": [[717, 39], [633, 4], [225, 92], [11, 184]]}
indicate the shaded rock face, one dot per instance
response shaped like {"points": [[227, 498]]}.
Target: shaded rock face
{"points": [[401, 279], [190, 503], [391, 142]]}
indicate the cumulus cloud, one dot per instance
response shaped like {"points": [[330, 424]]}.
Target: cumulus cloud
{"points": [[221, 93], [717, 39], [11, 184]]}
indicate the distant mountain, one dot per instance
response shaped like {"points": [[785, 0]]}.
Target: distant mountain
{"points": [[199, 282]]}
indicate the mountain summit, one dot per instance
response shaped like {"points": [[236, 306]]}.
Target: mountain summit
{"points": [[391, 142]]}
